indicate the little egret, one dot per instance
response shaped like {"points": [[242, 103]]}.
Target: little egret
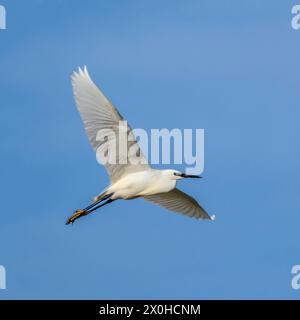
{"points": [[128, 180]]}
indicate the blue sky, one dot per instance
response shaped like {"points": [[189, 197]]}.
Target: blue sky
{"points": [[231, 68]]}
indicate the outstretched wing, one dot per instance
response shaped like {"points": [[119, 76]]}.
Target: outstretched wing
{"points": [[98, 113], [179, 201]]}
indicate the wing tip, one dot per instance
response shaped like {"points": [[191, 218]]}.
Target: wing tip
{"points": [[213, 217], [80, 72]]}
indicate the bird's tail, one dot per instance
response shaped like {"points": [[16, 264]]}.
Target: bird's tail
{"points": [[102, 196]]}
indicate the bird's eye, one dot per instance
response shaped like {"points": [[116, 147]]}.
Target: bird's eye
{"points": [[175, 174]]}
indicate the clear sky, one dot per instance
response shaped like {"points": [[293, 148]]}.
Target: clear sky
{"points": [[231, 68]]}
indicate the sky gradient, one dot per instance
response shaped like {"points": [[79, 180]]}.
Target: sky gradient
{"points": [[231, 68]]}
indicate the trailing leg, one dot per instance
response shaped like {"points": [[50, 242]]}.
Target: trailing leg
{"points": [[83, 212]]}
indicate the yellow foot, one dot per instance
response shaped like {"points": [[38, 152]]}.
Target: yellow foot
{"points": [[77, 214]]}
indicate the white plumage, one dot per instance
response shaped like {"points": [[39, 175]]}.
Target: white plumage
{"points": [[129, 179]]}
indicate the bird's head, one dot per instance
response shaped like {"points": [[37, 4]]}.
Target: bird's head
{"points": [[177, 175]]}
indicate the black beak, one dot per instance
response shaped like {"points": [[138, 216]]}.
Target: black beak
{"points": [[190, 176]]}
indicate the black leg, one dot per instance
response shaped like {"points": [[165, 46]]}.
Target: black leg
{"points": [[96, 202], [100, 205]]}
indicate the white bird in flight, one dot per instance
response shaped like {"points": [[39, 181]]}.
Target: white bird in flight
{"points": [[128, 181]]}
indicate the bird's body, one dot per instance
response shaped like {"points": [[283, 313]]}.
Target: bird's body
{"points": [[129, 179], [142, 183]]}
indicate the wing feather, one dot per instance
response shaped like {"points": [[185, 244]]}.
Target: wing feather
{"points": [[179, 201], [98, 113]]}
